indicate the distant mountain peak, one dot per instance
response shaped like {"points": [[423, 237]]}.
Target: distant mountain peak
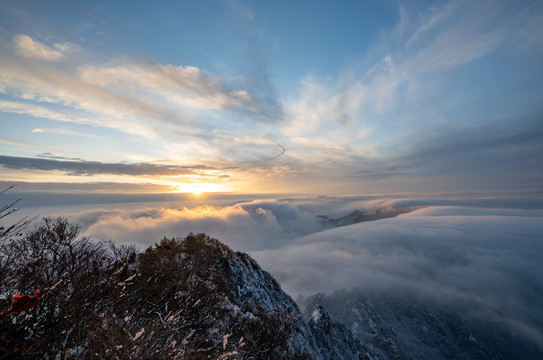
{"points": [[320, 318], [354, 217]]}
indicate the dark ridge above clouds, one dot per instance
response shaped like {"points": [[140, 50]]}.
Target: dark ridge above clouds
{"points": [[357, 216]]}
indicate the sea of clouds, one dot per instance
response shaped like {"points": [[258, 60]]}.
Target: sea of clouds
{"points": [[482, 255]]}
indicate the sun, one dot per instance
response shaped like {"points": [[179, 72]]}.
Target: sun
{"points": [[196, 192]]}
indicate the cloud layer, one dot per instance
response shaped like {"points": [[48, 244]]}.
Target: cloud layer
{"points": [[488, 262], [79, 167], [481, 255]]}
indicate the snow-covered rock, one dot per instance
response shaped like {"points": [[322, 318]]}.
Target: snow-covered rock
{"points": [[394, 326]]}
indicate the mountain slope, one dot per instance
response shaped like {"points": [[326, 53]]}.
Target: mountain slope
{"points": [[334, 340], [190, 298], [194, 298], [405, 327]]}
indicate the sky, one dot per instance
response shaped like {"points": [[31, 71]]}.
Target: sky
{"points": [[305, 97], [116, 114]]}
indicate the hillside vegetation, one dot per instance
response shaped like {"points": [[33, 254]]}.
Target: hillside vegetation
{"points": [[184, 298]]}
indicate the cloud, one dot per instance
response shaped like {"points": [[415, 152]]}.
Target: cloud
{"points": [[258, 224], [20, 144], [258, 74], [38, 111], [41, 83], [240, 10], [505, 152], [66, 132], [432, 250], [519, 133], [176, 106], [244, 225], [483, 262], [461, 32], [431, 18], [479, 255], [27, 47], [374, 173], [36, 193], [489, 202], [187, 86], [462, 156], [78, 167], [146, 226], [159, 92], [382, 112]]}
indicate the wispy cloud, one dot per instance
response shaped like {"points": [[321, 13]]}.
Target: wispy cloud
{"points": [[88, 192], [381, 113], [21, 144], [39, 111], [162, 92], [463, 32], [186, 86], [155, 101], [63, 132], [27, 47], [46, 84], [431, 18], [240, 9]]}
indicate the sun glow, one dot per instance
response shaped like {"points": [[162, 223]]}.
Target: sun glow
{"points": [[198, 189]]}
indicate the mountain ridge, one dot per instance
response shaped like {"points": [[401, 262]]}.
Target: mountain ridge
{"points": [[355, 217], [183, 298]]}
